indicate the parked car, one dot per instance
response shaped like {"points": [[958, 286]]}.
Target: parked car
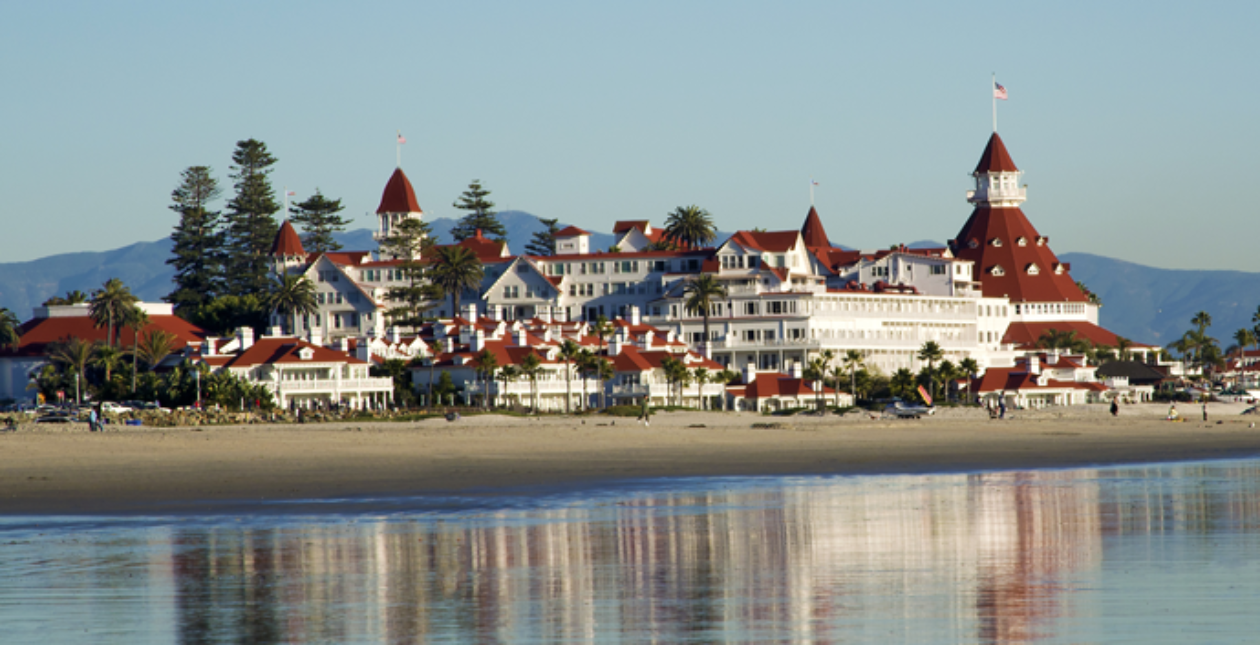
{"points": [[110, 407]]}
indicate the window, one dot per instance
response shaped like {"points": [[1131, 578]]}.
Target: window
{"points": [[511, 291], [660, 265], [938, 269], [995, 242]]}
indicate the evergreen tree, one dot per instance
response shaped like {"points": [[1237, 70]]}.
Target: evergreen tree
{"points": [[544, 242], [479, 216], [410, 240], [319, 220], [196, 252], [251, 222]]}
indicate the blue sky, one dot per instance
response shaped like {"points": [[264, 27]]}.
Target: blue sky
{"points": [[1134, 122]]}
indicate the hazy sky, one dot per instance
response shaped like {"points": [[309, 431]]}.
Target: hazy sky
{"points": [[1136, 123]]}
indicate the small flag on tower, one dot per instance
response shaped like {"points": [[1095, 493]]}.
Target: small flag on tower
{"points": [[999, 92], [291, 193], [401, 139]]}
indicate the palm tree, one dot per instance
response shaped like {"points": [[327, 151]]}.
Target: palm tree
{"points": [[701, 374], [1243, 337], [569, 350], [971, 368], [690, 227], [603, 371], [155, 345], [836, 373], [108, 357], [1202, 320], [931, 352], [293, 295], [1055, 339], [1122, 348], [585, 362], [816, 371], [486, 363], [531, 366], [508, 374], [455, 269], [135, 319], [902, 383], [946, 373], [74, 354], [701, 293], [725, 377], [10, 329], [853, 360], [110, 304]]}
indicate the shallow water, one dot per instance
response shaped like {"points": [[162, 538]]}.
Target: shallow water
{"points": [[1165, 553]]}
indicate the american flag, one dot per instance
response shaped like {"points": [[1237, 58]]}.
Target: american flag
{"points": [[999, 92], [401, 138]]}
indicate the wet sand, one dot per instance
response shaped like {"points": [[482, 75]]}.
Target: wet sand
{"points": [[49, 470]]}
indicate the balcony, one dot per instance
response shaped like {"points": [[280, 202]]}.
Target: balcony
{"points": [[375, 384]]}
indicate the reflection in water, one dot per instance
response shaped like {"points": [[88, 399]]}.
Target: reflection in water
{"points": [[1000, 557]]}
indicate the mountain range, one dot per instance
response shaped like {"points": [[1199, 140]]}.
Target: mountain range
{"points": [[1145, 304]]}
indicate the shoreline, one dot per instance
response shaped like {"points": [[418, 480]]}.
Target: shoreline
{"points": [[221, 469]]}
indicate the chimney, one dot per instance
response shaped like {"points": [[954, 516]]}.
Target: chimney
{"points": [[275, 331], [1034, 364], [478, 340], [750, 372], [616, 343], [648, 337], [634, 315], [796, 370], [343, 344], [1052, 356], [495, 312], [246, 337], [470, 311], [448, 344], [208, 348], [395, 335], [562, 314], [314, 336], [363, 349], [520, 337], [543, 313]]}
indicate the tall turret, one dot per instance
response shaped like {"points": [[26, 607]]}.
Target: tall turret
{"points": [[398, 203]]}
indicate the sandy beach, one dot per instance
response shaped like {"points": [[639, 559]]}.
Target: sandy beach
{"points": [[65, 469]]}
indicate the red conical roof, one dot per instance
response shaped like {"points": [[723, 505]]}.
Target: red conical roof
{"points": [[287, 242], [813, 233], [398, 196], [1012, 259], [995, 158]]}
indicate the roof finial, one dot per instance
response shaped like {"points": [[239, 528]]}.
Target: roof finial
{"points": [[398, 148]]}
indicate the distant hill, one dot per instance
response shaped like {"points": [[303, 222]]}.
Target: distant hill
{"points": [[1146, 304], [1155, 306]]}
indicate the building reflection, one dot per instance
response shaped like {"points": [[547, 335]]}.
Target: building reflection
{"points": [[969, 557]]}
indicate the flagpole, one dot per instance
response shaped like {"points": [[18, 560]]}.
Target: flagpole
{"points": [[993, 93], [286, 202], [811, 192], [398, 149]]}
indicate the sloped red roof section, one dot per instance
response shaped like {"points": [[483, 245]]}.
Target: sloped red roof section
{"points": [[287, 242], [38, 333], [398, 196], [997, 233], [286, 350], [570, 231], [1026, 334], [812, 231], [775, 241], [995, 157]]}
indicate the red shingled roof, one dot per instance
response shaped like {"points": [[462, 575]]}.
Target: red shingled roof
{"points": [[776, 241], [1025, 334], [812, 231], [285, 350], [570, 231], [626, 224], [287, 242], [38, 333], [995, 157], [996, 233], [398, 196]]}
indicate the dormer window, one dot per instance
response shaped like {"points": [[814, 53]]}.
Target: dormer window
{"points": [[1041, 240], [973, 243], [997, 270], [1022, 241], [306, 353], [1058, 269], [995, 242], [1033, 269]]}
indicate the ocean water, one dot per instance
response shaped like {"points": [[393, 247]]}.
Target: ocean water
{"points": [[1157, 554]]}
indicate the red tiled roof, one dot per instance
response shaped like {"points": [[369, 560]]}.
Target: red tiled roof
{"points": [[486, 249], [38, 333], [995, 157], [570, 231], [398, 196], [1006, 226], [1025, 334], [287, 242], [812, 231], [772, 384], [626, 224], [343, 258], [285, 350], [775, 241], [1012, 379]]}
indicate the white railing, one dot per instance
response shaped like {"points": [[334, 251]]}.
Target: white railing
{"points": [[378, 384]]}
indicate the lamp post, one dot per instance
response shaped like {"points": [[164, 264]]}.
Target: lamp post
{"points": [[77, 400], [197, 378]]}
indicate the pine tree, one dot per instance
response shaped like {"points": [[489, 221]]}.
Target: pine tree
{"points": [[196, 252], [544, 242], [251, 225], [410, 240], [319, 220], [479, 216]]}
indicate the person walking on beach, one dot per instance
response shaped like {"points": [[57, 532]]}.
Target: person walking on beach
{"points": [[1205, 411], [92, 420], [1002, 406], [1115, 408]]}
